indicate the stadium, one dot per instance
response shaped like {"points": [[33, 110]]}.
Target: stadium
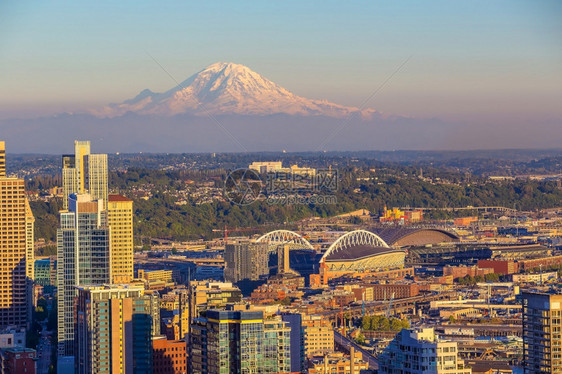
{"points": [[376, 250]]}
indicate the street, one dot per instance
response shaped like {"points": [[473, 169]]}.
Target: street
{"points": [[44, 351]]}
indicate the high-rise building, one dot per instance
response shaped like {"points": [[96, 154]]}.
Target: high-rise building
{"points": [[542, 339], [95, 176], [120, 219], [70, 182], [229, 341], [283, 259], [2, 159], [245, 260], [83, 258], [81, 150], [84, 173], [294, 322], [114, 329], [15, 222], [29, 257], [420, 351], [29, 241], [211, 295]]}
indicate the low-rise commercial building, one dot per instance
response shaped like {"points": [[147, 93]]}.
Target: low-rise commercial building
{"points": [[318, 336], [420, 351], [18, 360], [338, 363], [169, 356]]}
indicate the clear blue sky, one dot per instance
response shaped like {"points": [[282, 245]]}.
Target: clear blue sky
{"points": [[477, 59]]}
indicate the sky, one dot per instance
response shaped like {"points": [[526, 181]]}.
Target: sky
{"points": [[477, 60]]}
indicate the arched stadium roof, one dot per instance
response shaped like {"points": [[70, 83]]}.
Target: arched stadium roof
{"points": [[358, 252], [362, 250], [407, 236], [279, 237], [358, 238]]}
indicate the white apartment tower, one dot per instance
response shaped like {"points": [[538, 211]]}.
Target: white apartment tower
{"points": [[421, 352]]}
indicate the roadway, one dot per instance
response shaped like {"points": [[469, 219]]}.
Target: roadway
{"points": [[479, 208], [346, 342], [398, 305], [44, 351], [477, 305]]}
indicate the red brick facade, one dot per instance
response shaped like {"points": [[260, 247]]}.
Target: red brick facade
{"points": [[504, 267], [463, 271], [169, 356]]}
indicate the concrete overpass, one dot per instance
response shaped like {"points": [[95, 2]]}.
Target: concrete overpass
{"points": [[477, 304], [344, 343], [478, 208], [399, 306]]}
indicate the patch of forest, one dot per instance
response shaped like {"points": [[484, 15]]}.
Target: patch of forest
{"points": [[358, 188]]}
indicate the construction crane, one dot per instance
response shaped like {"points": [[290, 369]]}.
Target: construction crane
{"points": [[226, 230], [363, 304], [389, 306]]}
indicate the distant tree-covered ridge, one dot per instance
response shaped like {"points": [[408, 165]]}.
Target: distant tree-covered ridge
{"points": [[158, 213]]}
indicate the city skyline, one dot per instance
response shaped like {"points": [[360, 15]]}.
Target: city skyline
{"points": [[405, 270]]}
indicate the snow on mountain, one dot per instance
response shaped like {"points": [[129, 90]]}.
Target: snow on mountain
{"points": [[228, 88]]}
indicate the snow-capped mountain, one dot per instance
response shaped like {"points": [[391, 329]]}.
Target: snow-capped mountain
{"points": [[228, 88]]}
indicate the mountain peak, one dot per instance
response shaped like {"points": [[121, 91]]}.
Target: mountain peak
{"points": [[228, 88], [229, 66]]}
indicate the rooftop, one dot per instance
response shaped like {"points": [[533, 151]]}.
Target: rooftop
{"points": [[357, 252], [117, 198], [401, 236]]}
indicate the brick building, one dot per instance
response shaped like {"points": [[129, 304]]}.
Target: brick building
{"points": [[546, 262], [17, 360], [169, 356], [503, 267], [463, 271], [268, 292], [400, 291]]}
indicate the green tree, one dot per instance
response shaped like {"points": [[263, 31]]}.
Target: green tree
{"points": [[366, 322], [384, 324], [395, 324], [492, 277]]}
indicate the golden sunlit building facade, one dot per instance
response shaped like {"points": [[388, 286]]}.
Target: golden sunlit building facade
{"points": [[14, 235], [114, 327], [29, 239], [318, 336], [2, 159], [120, 220]]}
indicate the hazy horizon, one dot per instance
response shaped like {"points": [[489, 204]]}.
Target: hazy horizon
{"points": [[450, 68]]}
